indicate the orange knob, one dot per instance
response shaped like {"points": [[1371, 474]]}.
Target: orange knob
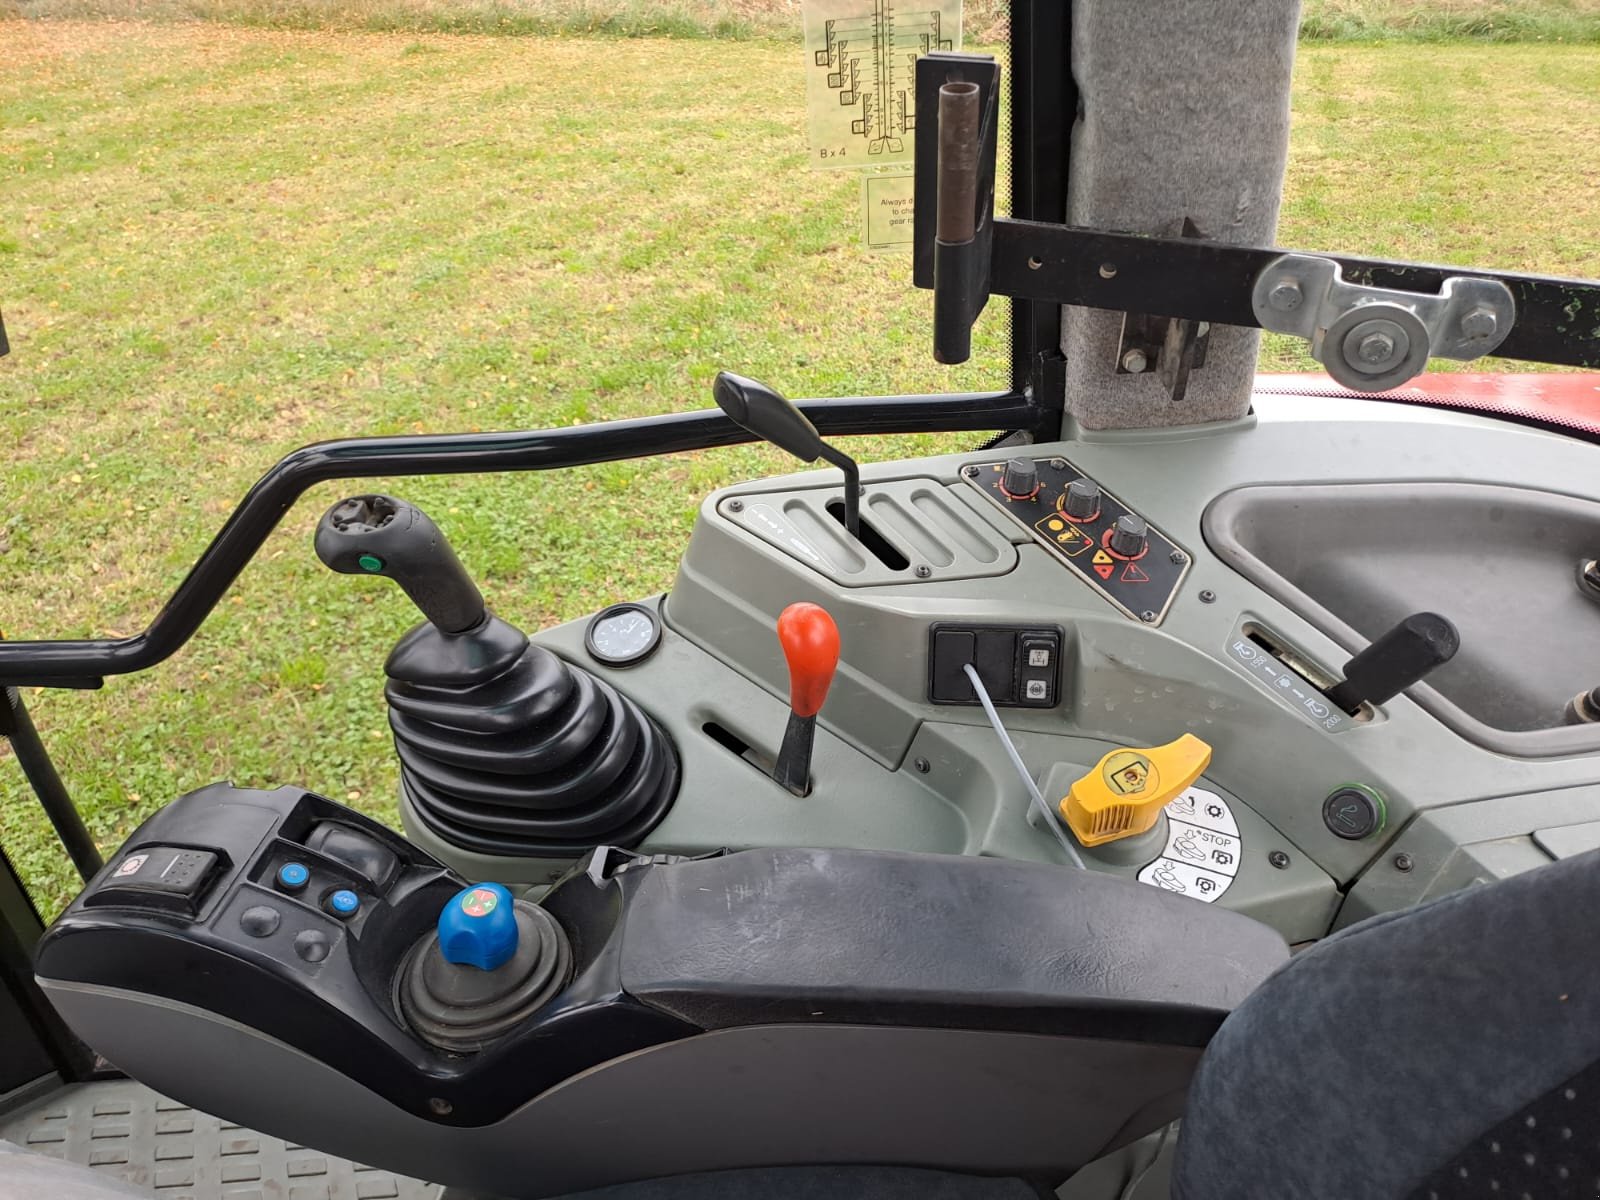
{"points": [[810, 642]]}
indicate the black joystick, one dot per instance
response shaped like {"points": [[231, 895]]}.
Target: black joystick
{"points": [[504, 747], [774, 418], [1395, 661]]}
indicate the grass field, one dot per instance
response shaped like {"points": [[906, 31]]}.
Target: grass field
{"points": [[1322, 20], [217, 244]]}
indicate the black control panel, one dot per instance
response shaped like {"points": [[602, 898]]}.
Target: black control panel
{"points": [[1108, 545], [292, 915], [1018, 667]]}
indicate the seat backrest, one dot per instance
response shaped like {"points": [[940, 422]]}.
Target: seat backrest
{"points": [[1446, 1051]]}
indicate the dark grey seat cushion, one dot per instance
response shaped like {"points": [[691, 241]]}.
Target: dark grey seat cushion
{"points": [[1392, 1048]]}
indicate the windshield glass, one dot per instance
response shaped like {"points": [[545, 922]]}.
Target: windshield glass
{"points": [[221, 239]]}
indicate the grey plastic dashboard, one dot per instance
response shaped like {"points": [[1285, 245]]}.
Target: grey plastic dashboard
{"points": [[893, 770]]}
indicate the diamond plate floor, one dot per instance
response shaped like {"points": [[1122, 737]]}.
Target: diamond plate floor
{"points": [[176, 1153]]}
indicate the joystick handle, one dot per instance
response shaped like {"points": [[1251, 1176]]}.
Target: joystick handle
{"points": [[1396, 660], [754, 406], [379, 535], [478, 928], [810, 642]]}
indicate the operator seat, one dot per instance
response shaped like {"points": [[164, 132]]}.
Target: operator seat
{"points": [[1442, 1052]]}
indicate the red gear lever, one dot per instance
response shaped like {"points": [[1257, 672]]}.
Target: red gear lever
{"points": [[810, 642]]}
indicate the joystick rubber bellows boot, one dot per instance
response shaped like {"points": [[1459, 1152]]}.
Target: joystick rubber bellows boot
{"points": [[504, 748]]}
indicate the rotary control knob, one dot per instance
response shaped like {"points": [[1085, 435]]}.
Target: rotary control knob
{"points": [[1082, 500], [1021, 479], [1129, 536]]}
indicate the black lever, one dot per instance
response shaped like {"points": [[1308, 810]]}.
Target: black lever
{"points": [[379, 535], [774, 418], [1395, 661], [5, 346]]}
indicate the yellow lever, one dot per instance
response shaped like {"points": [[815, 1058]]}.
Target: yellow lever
{"points": [[1127, 789]]}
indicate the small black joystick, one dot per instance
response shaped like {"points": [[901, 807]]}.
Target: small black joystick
{"points": [[774, 418], [1394, 662], [505, 748]]}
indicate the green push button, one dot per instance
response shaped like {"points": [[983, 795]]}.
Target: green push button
{"points": [[370, 562], [1353, 811]]}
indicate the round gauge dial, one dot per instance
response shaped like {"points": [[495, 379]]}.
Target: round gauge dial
{"points": [[623, 634]]}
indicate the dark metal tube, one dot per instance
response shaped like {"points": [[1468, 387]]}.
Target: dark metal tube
{"points": [[40, 772], [83, 662], [957, 196]]}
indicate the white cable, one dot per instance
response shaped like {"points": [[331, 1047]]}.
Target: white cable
{"points": [[1016, 761]]}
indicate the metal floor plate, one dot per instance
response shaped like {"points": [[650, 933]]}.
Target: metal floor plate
{"points": [[172, 1151]]}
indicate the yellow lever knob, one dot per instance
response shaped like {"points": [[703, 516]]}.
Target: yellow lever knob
{"points": [[1127, 789]]}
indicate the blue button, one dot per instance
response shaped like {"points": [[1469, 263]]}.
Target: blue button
{"points": [[293, 876], [478, 928], [344, 902]]}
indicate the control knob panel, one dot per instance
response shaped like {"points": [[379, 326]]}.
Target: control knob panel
{"points": [[1103, 541]]}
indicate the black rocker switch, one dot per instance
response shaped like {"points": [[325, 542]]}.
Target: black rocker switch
{"points": [[379, 535], [172, 878], [1395, 661], [774, 418]]}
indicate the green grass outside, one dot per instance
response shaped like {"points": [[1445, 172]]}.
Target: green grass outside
{"points": [[217, 244], [1360, 21]]}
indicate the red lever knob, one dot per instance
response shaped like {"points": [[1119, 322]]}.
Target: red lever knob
{"points": [[810, 642]]}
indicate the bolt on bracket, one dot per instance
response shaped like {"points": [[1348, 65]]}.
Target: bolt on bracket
{"points": [[1372, 339]]}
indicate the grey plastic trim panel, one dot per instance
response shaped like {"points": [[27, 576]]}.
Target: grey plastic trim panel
{"points": [[1230, 512], [989, 1103], [920, 517]]}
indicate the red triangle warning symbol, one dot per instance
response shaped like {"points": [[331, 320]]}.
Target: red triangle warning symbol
{"points": [[1132, 574], [1104, 570]]}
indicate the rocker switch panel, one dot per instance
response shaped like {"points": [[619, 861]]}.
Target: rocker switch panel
{"points": [[1019, 667]]}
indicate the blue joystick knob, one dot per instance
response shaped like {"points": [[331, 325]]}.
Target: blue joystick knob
{"points": [[478, 927]]}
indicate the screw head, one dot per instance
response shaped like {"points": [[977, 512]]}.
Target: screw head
{"points": [[1279, 859], [1134, 362], [970, 472], [1208, 597], [922, 765], [1376, 349], [1285, 295], [1177, 558], [1403, 862], [441, 1107], [1148, 615], [735, 505], [1480, 323], [923, 571]]}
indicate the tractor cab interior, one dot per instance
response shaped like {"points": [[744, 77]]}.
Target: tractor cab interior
{"points": [[1192, 791]]}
